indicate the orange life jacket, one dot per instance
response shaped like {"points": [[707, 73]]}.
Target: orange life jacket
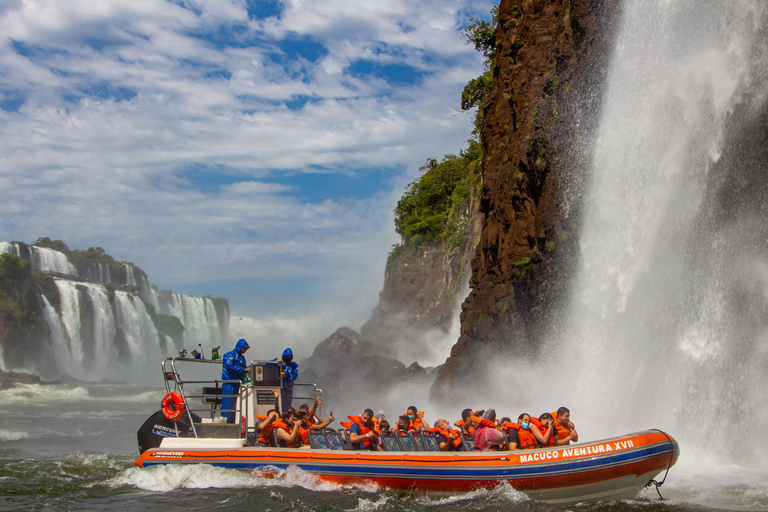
{"points": [[562, 432], [452, 436], [543, 429], [482, 422], [416, 423], [265, 435], [460, 424], [283, 425], [525, 439], [367, 442]]}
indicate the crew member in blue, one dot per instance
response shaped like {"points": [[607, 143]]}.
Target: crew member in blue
{"points": [[290, 374], [232, 368]]}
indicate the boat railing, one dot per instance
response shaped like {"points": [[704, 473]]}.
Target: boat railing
{"points": [[188, 389]]}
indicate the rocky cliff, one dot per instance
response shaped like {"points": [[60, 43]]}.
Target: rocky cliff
{"points": [[550, 64], [425, 278]]}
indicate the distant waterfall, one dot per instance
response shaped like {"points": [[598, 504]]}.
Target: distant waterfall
{"points": [[43, 259], [668, 323], [95, 338]]}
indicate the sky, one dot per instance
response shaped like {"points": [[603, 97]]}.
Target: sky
{"points": [[247, 149]]}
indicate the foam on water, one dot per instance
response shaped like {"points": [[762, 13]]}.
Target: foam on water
{"points": [[203, 476], [13, 435]]}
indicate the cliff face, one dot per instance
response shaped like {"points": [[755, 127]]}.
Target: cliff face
{"points": [[551, 61], [438, 218]]}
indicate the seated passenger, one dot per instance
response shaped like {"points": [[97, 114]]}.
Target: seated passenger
{"points": [[403, 423], [566, 432], [265, 428], [488, 419], [465, 423], [546, 425], [362, 431], [415, 418], [523, 435], [313, 421], [287, 429], [488, 439], [449, 439]]}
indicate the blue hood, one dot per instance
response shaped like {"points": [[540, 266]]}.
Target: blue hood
{"points": [[241, 343], [287, 352]]}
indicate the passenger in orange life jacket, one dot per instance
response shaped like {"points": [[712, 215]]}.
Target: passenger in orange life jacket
{"points": [[415, 418], [484, 419], [311, 422], [448, 438], [265, 428], [523, 435], [403, 423], [546, 425], [362, 433], [288, 429], [566, 432], [465, 423]]}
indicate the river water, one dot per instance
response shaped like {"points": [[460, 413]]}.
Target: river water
{"points": [[71, 447]]}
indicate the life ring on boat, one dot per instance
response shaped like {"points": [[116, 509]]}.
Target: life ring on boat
{"points": [[173, 406]]}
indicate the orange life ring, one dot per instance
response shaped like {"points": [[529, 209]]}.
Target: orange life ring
{"points": [[173, 406]]}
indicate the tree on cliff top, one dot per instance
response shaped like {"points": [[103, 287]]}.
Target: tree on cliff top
{"points": [[435, 198], [482, 34]]}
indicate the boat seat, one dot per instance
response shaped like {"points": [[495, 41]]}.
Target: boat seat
{"points": [[344, 435], [333, 439], [468, 441], [317, 440], [418, 440], [253, 433], [405, 441], [389, 442], [431, 444]]}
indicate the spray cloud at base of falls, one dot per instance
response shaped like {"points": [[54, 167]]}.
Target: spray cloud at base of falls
{"points": [[667, 325]]}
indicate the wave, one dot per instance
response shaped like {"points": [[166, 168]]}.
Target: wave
{"points": [[50, 393], [204, 476], [13, 435]]}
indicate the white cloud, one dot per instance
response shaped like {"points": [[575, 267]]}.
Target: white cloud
{"points": [[129, 109]]}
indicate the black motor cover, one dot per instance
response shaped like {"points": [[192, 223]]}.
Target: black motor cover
{"points": [[158, 426]]}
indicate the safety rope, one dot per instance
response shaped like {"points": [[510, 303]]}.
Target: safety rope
{"points": [[671, 456]]}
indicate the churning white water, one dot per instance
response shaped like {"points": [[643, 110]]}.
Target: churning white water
{"points": [[655, 336]]}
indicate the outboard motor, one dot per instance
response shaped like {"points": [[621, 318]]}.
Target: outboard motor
{"points": [[158, 426]]}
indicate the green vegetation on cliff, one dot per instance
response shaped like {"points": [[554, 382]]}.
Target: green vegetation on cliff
{"points": [[15, 309], [435, 208], [435, 205], [482, 34]]}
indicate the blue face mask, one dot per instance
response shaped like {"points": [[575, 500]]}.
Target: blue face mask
{"points": [[525, 425]]}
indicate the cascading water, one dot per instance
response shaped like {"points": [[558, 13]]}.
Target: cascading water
{"points": [[43, 258], [668, 323], [94, 339]]}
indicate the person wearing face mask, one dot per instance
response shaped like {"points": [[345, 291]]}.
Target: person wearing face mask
{"points": [[415, 418], [522, 435], [290, 372]]}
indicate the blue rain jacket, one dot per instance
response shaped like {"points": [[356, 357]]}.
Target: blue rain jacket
{"points": [[233, 365], [291, 370]]}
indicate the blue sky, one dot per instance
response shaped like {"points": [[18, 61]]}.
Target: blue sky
{"points": [[248, 149]]}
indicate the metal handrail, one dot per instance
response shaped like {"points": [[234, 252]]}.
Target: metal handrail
{"points": [[171, 374]]}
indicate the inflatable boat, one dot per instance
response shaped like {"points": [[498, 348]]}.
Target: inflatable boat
{"points": [[608, 469]]}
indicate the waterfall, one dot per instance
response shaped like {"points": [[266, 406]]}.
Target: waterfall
{"points": [[43, 259], [668, 322], [130, 278], [102, 339], [197, 314]]}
